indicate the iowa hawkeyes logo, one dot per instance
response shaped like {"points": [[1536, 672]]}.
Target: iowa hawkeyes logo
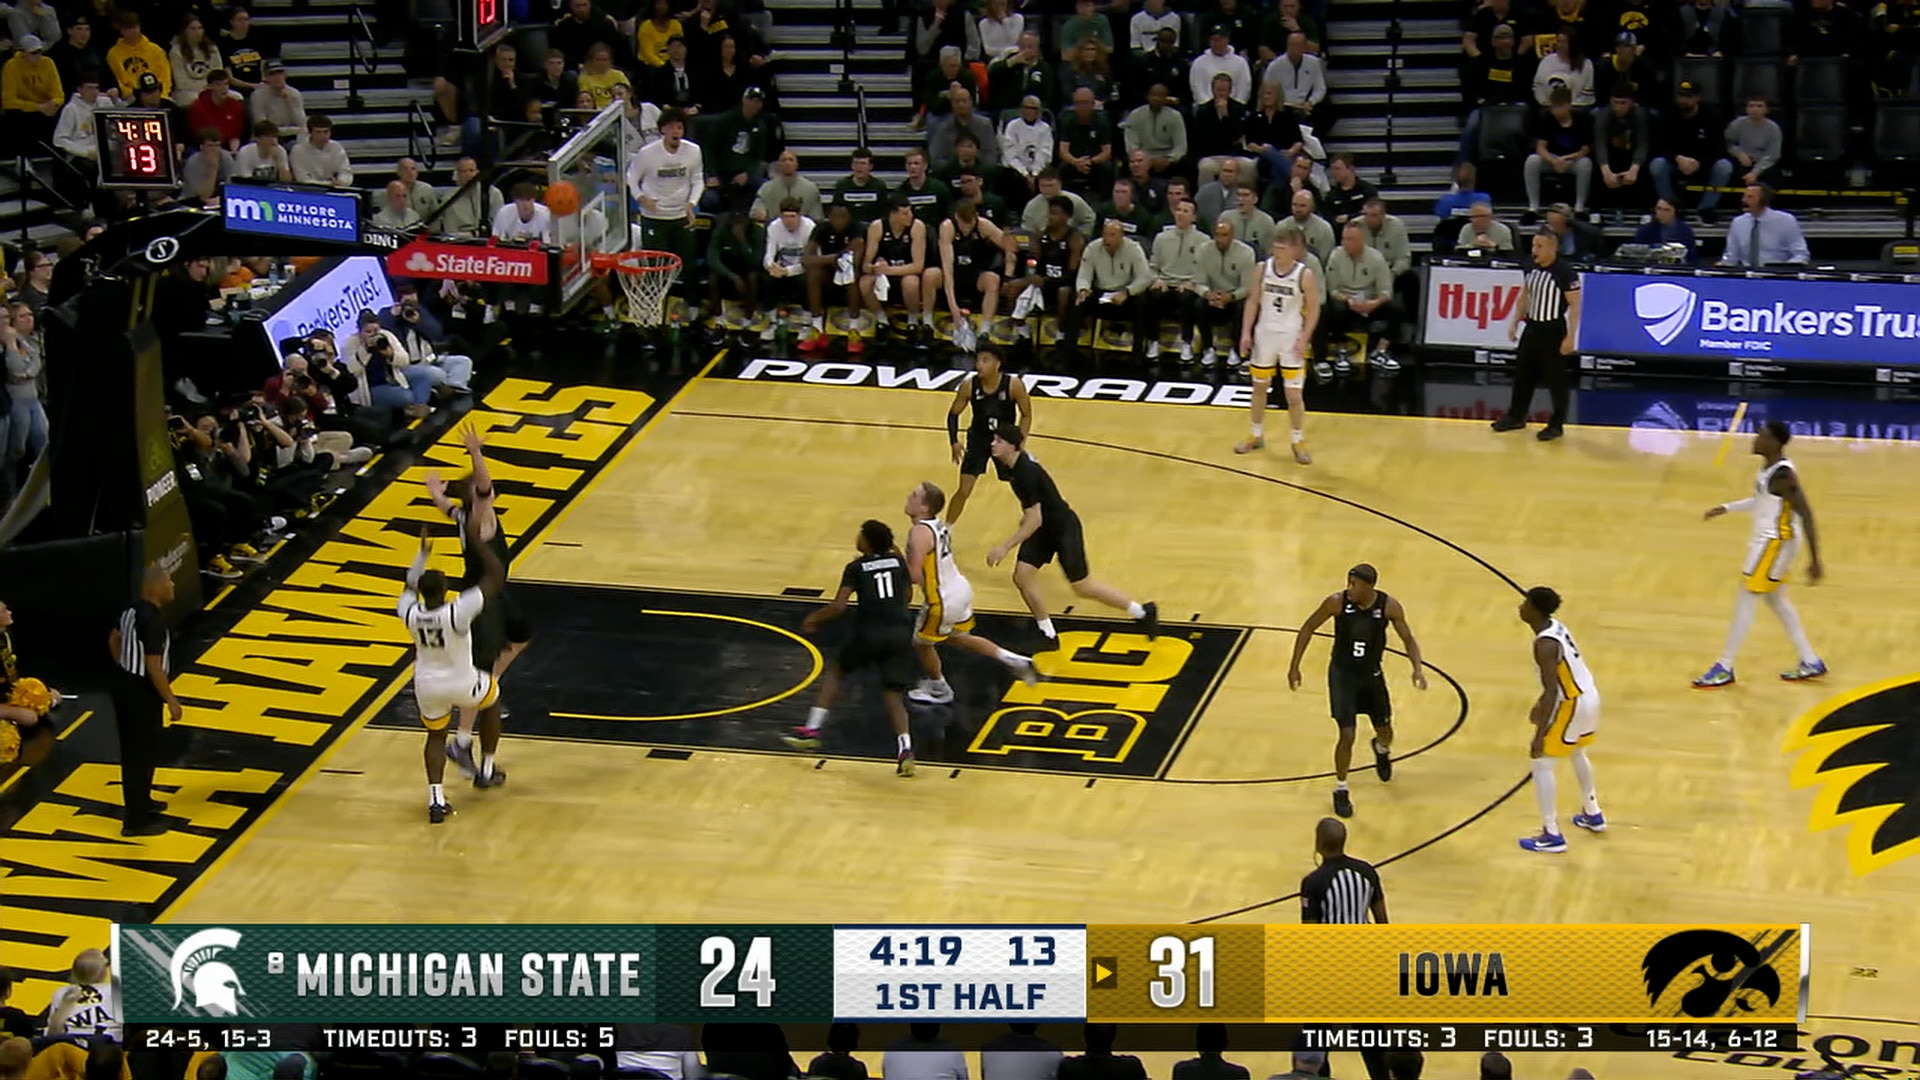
{"points": [[1722, 974], [1863, 750]]}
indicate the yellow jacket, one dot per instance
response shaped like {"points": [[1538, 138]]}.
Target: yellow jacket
{"points": [[26, 81], [129, 62]]}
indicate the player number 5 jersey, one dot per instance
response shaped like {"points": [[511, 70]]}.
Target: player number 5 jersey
{"points": [[1773, 517], [1576, 681]]}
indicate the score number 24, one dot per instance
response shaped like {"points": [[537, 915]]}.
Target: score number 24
{"points": [[756, 972]]}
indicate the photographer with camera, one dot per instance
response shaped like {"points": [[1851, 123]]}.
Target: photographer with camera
{"points": [[421, 334], [213, 457], [388, 377], [337, 434]]}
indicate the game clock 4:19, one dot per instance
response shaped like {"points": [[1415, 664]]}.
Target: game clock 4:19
{"points": [[945, 950]]}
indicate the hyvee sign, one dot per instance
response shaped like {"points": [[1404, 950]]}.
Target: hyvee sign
{"points": [[469, 262], [833, 373], [1471, 307]]}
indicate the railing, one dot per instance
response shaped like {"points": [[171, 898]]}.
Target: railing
{"points": [[845, 31], [359, 55], [1394, 34], [423, 145], [860, 116]]}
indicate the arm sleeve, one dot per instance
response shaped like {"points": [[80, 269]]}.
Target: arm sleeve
{"points": [[1309, 903]]}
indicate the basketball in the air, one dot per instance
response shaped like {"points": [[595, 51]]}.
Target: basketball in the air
{"points": [[562, 197]]}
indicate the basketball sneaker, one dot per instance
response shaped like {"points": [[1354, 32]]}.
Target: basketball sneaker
{"points": [[1150, 619], [1251, 443], [439, 812], [487, 780], [931, 692], [1805, 671], [1719, 675], [1545, 844], [1301, 454], [802, 738], [905, 766], [1027, 672], [462, 758], [1382, 763], [1342, 802], [855, 345], [1595, 822]]}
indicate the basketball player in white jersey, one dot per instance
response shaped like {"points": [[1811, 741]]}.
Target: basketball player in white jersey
{"points": [[444, 675], [1780, 516], [947, 614], [1282, 309], [1565, 719]]}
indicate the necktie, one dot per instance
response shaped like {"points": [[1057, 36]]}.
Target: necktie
{"points": [[1753, 243], [680, 80]]}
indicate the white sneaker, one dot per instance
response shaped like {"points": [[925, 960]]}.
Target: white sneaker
{"points": [[1233, 358], [931, 693], [767, 334], [359, 455], [1186, 352], [1209, 358], [1153, 350]]}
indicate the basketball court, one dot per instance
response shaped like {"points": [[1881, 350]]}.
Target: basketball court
{"points": [[668, 569]]}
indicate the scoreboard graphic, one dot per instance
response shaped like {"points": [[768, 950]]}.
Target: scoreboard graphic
{"points": [[1598, 987]]}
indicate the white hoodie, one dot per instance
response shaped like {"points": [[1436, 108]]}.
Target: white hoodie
{"points": [[74, 132], [1026, 148]]}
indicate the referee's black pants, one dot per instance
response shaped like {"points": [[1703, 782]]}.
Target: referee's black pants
{"points": [[139, 716], [1539, 360]]}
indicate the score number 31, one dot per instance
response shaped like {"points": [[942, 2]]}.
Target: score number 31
{"points": [[1168, 990]]}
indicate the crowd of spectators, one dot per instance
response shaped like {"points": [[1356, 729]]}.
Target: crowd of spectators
{"points": [[1650, 112]]}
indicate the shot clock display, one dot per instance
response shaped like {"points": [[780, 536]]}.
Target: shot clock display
{"points": [[136, 149], [481, 22], [1462, 988]]}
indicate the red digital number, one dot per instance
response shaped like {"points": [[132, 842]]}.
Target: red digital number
{"points": [[485, 12], [141, 159]]}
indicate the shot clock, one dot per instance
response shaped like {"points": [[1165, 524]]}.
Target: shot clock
{"points": [[1010, 973], [136, 149], [481, 22]]}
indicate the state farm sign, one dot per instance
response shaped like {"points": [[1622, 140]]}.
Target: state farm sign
{"points": [[1471, 307], [469, 262]]}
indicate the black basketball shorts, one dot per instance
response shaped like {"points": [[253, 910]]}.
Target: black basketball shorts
{"points": [[891, 656], [1058, 540], [1351, 693]]}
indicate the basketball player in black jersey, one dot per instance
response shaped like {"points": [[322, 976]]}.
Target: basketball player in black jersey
{"points": [[882, 637], [974, 256], [1049, 529], [1054, 262], [995, 397], [1355, 684], [898, 252], [837, 234], [502, 630]]}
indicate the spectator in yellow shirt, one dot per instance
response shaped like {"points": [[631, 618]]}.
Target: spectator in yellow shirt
{"points": [[30, 92], [133, 56], [651, 45], [599, 77]]}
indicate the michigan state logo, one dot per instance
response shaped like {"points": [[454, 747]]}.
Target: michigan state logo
{"points": [[1711, 973], [1862, 749]]}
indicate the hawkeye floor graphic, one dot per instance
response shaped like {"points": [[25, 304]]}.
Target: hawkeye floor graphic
{"points": [[703, 670], [265, 700]]}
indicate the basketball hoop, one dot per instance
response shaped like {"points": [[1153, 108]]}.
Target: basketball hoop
{"points": [[646, 277]]}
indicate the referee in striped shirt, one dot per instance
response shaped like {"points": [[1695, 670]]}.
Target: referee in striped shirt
{"points": [[1342, 889], [142, 687], [1550, 312]]}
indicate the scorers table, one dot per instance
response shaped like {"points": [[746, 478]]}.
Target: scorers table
{"points": [[562, 987]]}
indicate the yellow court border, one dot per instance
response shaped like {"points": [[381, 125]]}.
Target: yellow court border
{"points": [[380, 701]]}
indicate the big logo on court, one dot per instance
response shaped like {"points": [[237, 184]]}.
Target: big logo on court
{"points": [[1862, 750], [716, 671]]}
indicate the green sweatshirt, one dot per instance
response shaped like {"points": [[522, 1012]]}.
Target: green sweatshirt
{"points": [[738, 145]]}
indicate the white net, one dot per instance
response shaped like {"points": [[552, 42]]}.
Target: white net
{"points": [[646, 277]]}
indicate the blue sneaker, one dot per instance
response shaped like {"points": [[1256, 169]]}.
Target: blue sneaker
{"points": [[1591, 822], [1545, 844], [1805, 671], [1717, 676], [462, 758]]}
